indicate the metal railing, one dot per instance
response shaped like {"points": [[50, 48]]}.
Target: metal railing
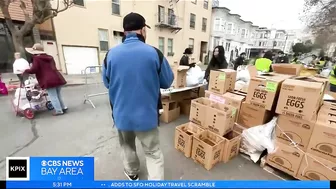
{"points": [[87, 71]]}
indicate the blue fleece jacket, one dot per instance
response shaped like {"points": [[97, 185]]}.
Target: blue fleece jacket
{"points": [[133, 82]]}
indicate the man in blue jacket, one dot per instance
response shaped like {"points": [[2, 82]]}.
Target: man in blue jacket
{"points": [[134, 72]]}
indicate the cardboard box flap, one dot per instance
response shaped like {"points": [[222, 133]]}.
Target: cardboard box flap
{"points": [[182, 68], [204, 101], [226, 70], [169, 105], [223, 107], [289, 69], [233, 135], [236, 96], [209, 138], [190, 128], [304, 82]]}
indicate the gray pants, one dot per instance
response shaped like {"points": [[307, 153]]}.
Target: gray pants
{"points": [[151, 145]]}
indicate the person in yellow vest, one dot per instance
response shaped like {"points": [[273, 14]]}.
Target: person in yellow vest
{"points": [[320, 64], [264, 64], [332, 79]]}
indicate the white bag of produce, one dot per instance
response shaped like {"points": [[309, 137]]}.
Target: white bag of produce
{"points": [[256, 139], [243, 75], [195, 76]]}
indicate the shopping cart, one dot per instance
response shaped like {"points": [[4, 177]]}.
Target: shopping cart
{"points": [[29, 99]]}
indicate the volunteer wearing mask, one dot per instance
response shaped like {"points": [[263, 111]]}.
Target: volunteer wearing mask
{"points": [[264, 64], [217, 61]]}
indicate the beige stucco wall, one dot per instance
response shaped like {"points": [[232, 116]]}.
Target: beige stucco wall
{"points": [[78, 26]]}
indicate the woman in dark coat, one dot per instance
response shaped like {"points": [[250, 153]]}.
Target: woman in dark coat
{"points": [[184, 61], [48, 76], [217, 61]]}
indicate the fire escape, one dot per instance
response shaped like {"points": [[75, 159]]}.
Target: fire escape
{"points": [[170, 20]]}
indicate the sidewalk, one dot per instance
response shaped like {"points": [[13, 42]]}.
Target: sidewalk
{"points": [[72, 80]]}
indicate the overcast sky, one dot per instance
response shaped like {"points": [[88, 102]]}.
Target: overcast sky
{"points": [[280, 14]]}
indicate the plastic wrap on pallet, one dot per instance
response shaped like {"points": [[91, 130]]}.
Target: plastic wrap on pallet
{"points": [[256, 139]]}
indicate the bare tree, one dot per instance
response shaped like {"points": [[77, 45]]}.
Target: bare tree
{"points": [[320, 16], [42, 11]]}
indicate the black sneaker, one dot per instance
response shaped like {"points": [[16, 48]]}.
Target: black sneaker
{"points": [[132, 177]]}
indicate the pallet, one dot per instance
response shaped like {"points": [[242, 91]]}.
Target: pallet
{"points": [[274, 171]]}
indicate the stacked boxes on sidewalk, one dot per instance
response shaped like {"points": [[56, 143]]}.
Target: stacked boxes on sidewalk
{"points": [[215, 140], [179, 102], [300, 138]]}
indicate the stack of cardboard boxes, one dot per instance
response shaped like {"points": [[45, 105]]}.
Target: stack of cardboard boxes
{"points": [[179, 102], [209, 135], [303, 145]]}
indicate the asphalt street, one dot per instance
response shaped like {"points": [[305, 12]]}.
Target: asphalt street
{"points": [[85, 131]]}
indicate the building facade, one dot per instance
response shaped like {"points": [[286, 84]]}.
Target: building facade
{"points": [[175, 25], [233, 33], [270, 39]]}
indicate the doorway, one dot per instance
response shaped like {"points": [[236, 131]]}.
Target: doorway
{"points": [[203, 51]]}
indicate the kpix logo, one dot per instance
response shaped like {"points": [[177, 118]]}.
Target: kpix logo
{"points": [[17, 168]]}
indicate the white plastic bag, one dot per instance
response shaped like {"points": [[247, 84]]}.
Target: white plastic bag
{"points": [[195, 76], [256, 139], [243, 75]]}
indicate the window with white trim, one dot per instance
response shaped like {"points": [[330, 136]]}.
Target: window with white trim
{"points": [[217, 24], [191, 43], [116, 7], [161, 44], [229, 28], [170, 47], [103, 39]]}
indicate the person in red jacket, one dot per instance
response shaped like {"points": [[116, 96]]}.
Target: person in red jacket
{"points": [[48, 76]]}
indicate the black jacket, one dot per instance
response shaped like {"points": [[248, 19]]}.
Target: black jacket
{"points": [[239, 61], [212, 66], [282, 60], [184, 61]]}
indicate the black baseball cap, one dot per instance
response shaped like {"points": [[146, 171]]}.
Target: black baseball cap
{"points": [[134, 21]]}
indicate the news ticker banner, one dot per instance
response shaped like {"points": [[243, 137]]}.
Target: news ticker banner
{"points": [[78, 172], [171, 184]]}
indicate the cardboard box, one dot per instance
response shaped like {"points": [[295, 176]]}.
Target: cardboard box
{"points": [[184, 137], [207, 149], [298, 130], [290, 69], [264, 90], [323, 140], [250, 115], [300, 98], [215, 97], [179, 96], [220, 118], [185, 106], [180, 75], [238, 128], [171, 111], [235, 99], [198, 111], [222, 81], [231, 146], [310, 169], [286, 158]]}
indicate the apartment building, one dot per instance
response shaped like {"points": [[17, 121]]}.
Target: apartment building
{"points": [[87, 30], [270, 39], [233, 33]]}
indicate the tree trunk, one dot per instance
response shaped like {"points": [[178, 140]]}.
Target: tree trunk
{"points": [[18, 44]]}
